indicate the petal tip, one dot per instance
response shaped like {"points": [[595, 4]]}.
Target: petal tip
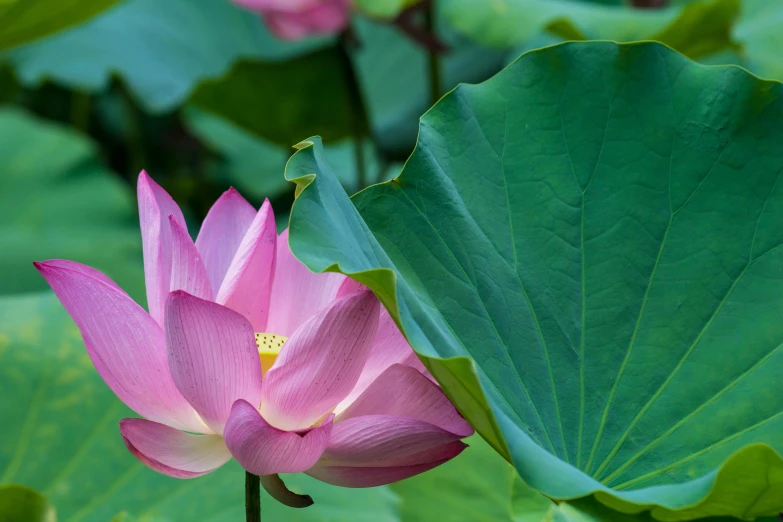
{"points": [[177, 297], [145, 180], [234, 194]]}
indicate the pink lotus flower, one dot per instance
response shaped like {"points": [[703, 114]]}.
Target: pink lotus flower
{"points": [[296, 19], [245, 353]]}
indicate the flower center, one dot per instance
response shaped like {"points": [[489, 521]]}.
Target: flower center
{"points": [[269, 346]]}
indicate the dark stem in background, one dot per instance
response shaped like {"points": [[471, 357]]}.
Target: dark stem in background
{"points": [[649, 3], [433, 54], [133, 117], [80, 110], [252, 497], [409, 22], [360, 125]]}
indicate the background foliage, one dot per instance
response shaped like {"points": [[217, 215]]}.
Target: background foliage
{"points": [[201, 95]]}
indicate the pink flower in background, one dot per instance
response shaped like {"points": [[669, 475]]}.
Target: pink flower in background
{"points": [[296, 19], [245, 353]]}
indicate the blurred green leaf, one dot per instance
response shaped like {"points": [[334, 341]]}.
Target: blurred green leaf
{"points": [[622, 341], [278, 101], [694, 27], [25, 20], [255, 166], [250, 163], [759, 32], [477, 486], [60, 436], [394, 77], [702, 29], [161, 49], [22, 504], [58, 201]]}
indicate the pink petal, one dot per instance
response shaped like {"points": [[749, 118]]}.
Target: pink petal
{"points": [[297, 293], [155, 207], [358, 477], [173, 452], [247, 286], [221, 234], [78, 267], [404, 392], [385, 441], [389, 347], [212, 356], [327, 17], [125, 344], [265, 450], [187, 269], [320, 363]]}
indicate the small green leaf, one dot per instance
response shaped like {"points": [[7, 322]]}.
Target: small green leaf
{"points": [[22, 504]]}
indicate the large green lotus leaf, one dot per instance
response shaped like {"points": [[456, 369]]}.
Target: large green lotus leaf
{"points": [[21, 504], [25, 20], [161, 49], [480, 486], [694, 27], [57, 200], [60, 436], [585, 252]]}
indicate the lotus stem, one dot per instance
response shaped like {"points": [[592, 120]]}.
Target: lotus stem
{"points": [[252, 498]]}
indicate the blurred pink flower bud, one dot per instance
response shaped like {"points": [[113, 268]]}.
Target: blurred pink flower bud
{"points": [[295, 19]]}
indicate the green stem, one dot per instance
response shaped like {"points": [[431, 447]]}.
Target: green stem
{"points": [[433, 56], [252, 497], [359, 112]]}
